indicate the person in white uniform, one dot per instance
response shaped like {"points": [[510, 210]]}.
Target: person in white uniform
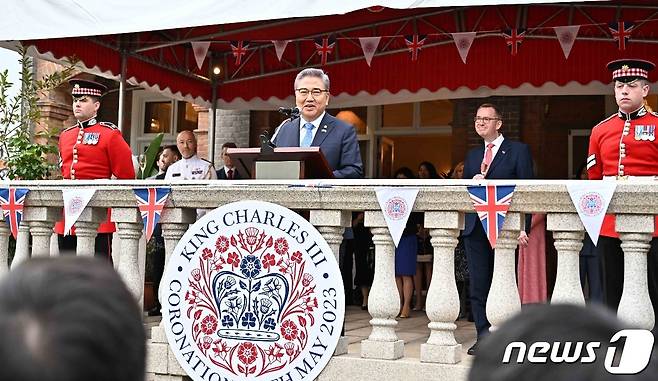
{"points": [[190, 167]]}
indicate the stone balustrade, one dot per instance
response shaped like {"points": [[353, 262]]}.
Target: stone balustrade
{"points": [[443, 203]]}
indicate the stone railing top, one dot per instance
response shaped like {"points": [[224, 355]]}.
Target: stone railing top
{"points": [[541, 196]]}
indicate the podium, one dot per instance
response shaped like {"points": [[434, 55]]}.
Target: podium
{"points": [[281, 163]]}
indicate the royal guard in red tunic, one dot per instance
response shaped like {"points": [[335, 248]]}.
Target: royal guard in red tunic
{"points": [[92, 150], [624, 147]]}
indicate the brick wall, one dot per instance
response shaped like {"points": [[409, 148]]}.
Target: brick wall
{"points": [[232, 126]]}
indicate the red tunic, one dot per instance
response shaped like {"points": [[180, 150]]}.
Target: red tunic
{"points": [[623, 145], [94, 150]]}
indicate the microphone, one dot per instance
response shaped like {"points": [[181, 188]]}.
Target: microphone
{"points": [[291, 112]]}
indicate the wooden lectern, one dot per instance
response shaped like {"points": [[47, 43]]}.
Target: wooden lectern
{"points": [[281, 163]]}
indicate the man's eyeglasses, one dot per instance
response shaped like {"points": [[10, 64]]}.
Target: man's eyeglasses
{"points": [[484, 119], [314, 92]]}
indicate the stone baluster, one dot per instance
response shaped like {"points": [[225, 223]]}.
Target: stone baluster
{"points": [[86, 228], [383, 301], [568, 234], [331, 224], [130, 227], [635, 306], [4, 248], [442, 303], [161, 360], [22, 252], [503, 300], [41, 220]]}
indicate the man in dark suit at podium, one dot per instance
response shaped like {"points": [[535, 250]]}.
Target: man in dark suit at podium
{"points": [[228, 171], [496, 158], [336, 139]]}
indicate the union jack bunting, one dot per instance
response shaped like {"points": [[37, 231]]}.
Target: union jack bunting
{"points": [[414, 44], [11, 200], [491, 203], [323, 47], [151, 201], [621, 32], [514, 38], [239, 49]]}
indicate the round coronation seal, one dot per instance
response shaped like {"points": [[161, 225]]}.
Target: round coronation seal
{"points": [[252, 291], [591, 204], [396, 207]]}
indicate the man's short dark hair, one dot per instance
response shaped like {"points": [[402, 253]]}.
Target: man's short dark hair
{"points": [[494, 107], [174, 149], [69, 319], [229, 145], [559, 323]]}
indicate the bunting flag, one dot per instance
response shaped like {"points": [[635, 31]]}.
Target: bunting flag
{"points": [[151, 202], [369, 46], [621, 32], [75, 201], [280, 47], [323, 47], [414, 44], [239, 49], [514, 38], [491, 202], [567, 36], [12, 200], [396, 205], [591, 199], [463, 41], [200, 49]]}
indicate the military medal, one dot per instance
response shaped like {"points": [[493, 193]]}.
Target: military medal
{"points": [[639, 132], [91, 138], [651, 132]]}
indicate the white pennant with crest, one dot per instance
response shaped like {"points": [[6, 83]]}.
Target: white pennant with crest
{"points": [[396, 204], [591, 199], [200, 49], [280, 47], [75, 201], [463, 41], [567, 36], [369, 47]]}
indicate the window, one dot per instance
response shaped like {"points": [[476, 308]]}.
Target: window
{"points": [[399, 115], [157, 117]]}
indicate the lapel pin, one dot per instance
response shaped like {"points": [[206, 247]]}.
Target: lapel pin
{"points": [[324, 128]]}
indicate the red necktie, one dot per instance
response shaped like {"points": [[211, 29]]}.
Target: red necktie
{"points": [[488, 157], [229, 174]]}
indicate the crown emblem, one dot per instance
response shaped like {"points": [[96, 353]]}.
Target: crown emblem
{"points": [[249, 292], [625, 68], [250, 303]]}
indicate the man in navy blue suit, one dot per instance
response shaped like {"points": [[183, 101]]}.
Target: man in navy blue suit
{"points": [[497, 158], [336, 139]]}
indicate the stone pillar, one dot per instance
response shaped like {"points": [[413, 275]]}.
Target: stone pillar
{"points": [[22, 252], [635, 306], [503, 300], [130, 226], [85, 229], [41, 221], [383, 301], [442, 303], [568, 234], [331, 224], [4, 248]]}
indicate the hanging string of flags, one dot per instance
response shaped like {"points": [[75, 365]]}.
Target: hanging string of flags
{"points": [[621, 32], [491, 202]]}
